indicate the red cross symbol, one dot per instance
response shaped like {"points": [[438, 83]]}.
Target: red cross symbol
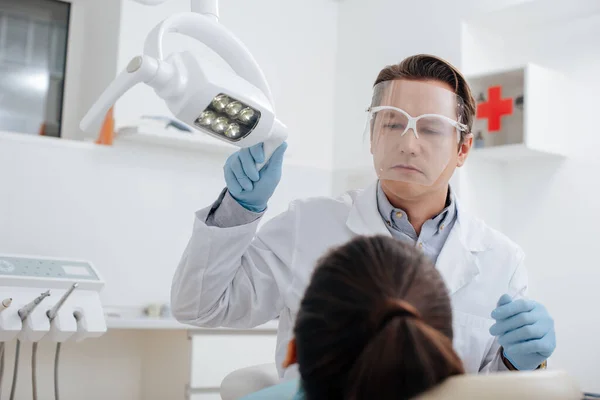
{"points": [[494, 108]]}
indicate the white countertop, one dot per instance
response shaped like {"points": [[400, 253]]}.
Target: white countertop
{"points": [[170, 323]]}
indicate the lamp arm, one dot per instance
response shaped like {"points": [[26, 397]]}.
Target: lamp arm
{"points": [[140, 69], [209, 8], [216, 37]]}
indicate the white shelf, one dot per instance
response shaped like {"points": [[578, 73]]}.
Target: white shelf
{"points": [[510, 153], [47, 141], [534, 14], [146, 323], [194, 142], [174, 139]]}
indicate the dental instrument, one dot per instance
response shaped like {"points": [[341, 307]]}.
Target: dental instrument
{"points": [[68, 314], [29, 307], [24, 312], [51, 315], [235, 107], [5, 304], [52, 312]]}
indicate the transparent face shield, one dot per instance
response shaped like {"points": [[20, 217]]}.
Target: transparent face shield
{"points": [[414, 129]]}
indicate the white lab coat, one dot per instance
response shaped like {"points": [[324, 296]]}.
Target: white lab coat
{"points": [[238, 277]]}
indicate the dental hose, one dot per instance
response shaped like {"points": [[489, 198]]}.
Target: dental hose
{"points": [[1, 365], [13, 388], [56, 357], [34, 348]]}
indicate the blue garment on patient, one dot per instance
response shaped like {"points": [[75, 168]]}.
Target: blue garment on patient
{"points": [[287, 390]]}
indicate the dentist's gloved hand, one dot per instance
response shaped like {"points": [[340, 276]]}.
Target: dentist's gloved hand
{"points": [[251, 188], [525, 330]]}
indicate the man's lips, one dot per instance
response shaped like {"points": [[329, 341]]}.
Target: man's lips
{"points": [[407, 167]]}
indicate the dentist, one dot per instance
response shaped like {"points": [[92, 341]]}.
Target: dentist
{"points": [[232, 274]]}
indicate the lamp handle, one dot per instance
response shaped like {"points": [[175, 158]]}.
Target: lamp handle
{"points": [[279, 134]]}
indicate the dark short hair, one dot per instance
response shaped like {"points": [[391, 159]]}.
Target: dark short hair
{"points": [[428, 67]]}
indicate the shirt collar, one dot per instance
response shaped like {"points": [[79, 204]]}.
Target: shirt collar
{"points": [[387, 210]]}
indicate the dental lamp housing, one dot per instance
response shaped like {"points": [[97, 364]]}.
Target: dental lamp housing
{"points": [[201, 83], [197, 91]]}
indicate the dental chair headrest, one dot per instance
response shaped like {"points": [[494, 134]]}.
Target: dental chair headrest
{"points": [[531, 385], [534, 385]]}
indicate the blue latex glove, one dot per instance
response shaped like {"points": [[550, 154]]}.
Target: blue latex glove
{"points": [[249, 187], [525, 330]]}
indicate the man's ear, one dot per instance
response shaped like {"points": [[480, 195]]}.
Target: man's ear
{"points": [[290, 355], [464, 149]]}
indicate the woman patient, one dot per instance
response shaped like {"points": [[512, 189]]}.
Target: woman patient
{"points": [[375, 323]]}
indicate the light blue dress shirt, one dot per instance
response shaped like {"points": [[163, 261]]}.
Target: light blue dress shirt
{"points": [[434, 232]]}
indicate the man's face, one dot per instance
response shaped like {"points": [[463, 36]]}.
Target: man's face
{"points": [[408, 166]]}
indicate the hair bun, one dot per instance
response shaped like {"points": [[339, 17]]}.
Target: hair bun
{"points": [[397, 308]]}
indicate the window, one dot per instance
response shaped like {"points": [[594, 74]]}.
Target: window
{"points": [[33, 49]]}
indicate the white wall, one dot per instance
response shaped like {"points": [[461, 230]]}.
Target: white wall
{"points": [[127, 209], [550, 205]]}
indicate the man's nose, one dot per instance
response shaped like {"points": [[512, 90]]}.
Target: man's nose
{"points": [[409, 143]]}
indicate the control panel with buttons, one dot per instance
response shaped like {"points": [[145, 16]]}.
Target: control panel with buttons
{"points": [[46, 268]]}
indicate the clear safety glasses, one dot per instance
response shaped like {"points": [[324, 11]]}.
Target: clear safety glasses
{"points": [[431, 126]]}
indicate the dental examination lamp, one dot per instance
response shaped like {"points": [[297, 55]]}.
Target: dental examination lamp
{"points": [[235, 107]]}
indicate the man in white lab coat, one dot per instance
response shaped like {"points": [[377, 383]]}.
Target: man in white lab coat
{"points": [[235, 276]]}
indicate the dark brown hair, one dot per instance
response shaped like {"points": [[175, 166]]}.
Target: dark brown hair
{"points": [[375, 323], [428, 67]]}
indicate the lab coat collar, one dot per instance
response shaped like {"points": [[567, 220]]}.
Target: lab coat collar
{"points": [[457, 261], [364, 218]]}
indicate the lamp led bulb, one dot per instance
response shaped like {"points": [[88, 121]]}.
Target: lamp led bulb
{"points": [[206, 118], [246, 115], [233, 131], [233, 108], [220, 102], [220, 124]]}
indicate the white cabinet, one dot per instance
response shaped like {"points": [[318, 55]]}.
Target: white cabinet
{"points": [[217, 352], [521, 113], [177, 361]]}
